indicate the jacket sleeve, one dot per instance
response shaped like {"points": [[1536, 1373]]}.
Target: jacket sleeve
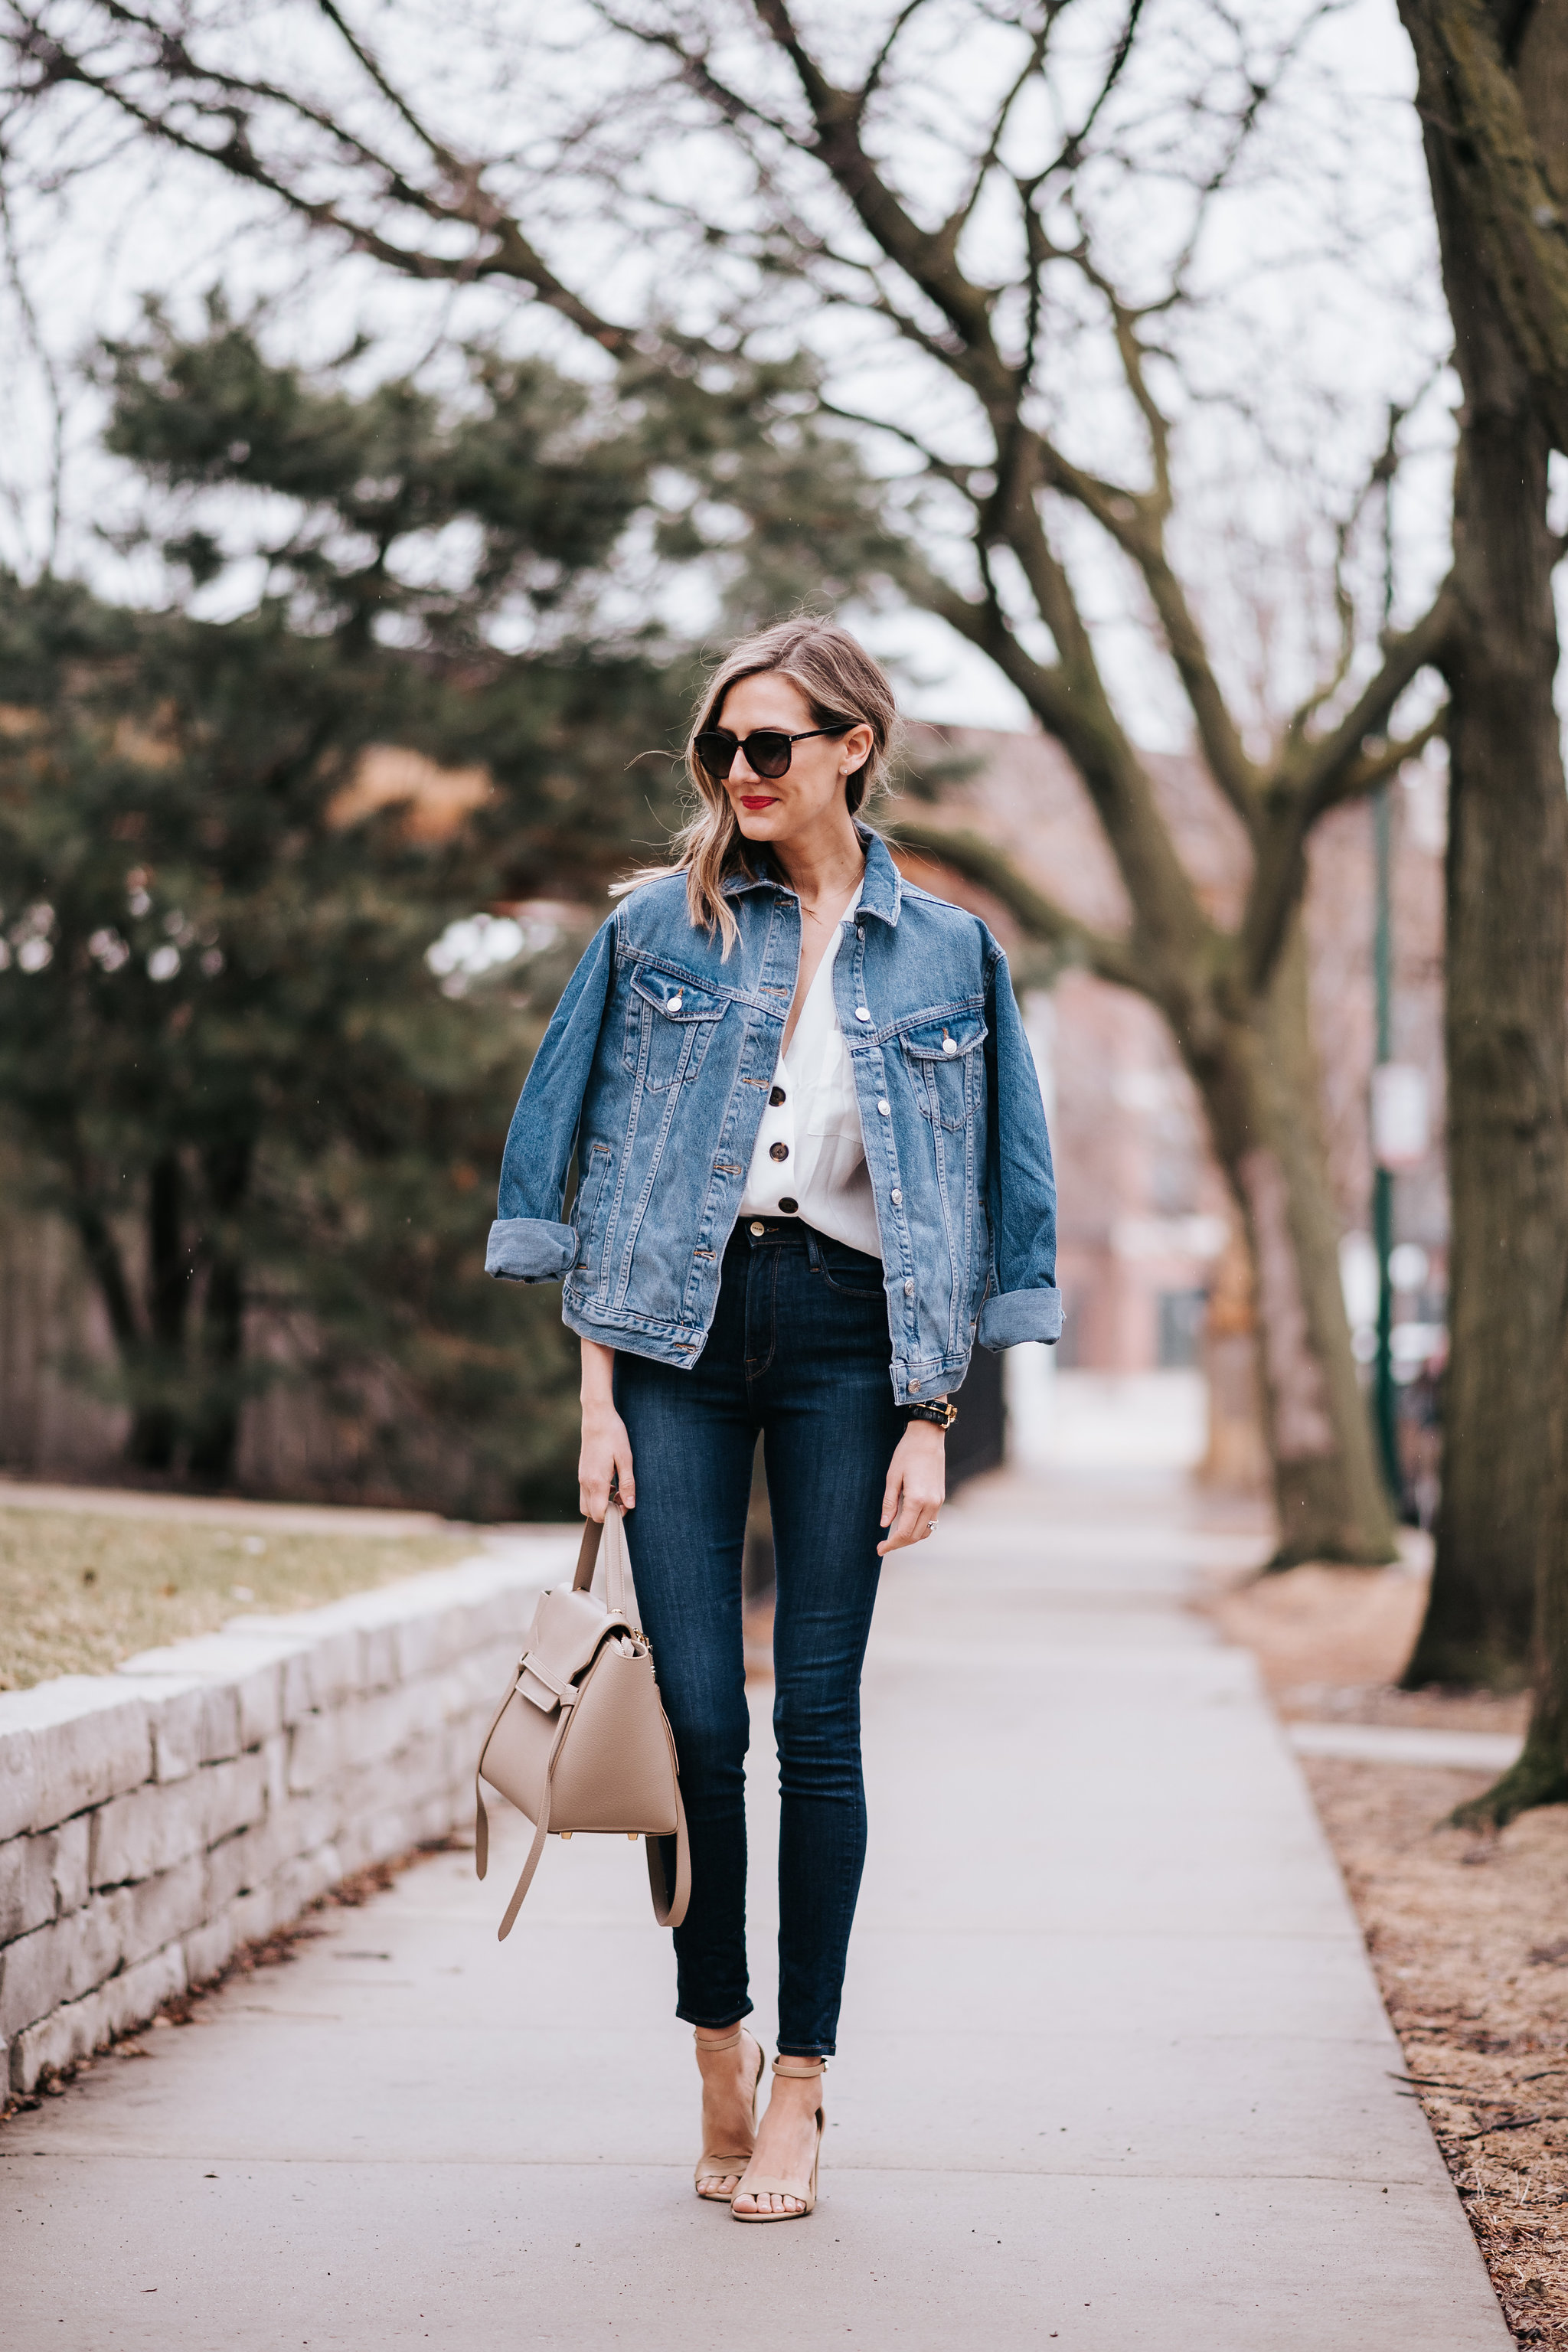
{"points": [[528, 1242], [1023, 1302]]}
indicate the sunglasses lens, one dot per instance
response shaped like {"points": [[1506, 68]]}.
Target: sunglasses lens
{"points": [[716, 753], [769, 754]]}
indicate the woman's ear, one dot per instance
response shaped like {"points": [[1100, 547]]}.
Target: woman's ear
{"points": [[855, 751]]}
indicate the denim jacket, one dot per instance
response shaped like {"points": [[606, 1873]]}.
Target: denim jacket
{"points": [[654, 1071]]}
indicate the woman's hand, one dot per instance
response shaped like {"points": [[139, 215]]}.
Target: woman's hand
{"points": [[606, 1452], [917, 1486]]}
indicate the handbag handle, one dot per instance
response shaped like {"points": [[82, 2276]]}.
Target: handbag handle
{"points": [[615, 1564]]}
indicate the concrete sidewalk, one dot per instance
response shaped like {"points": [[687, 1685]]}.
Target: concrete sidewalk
{"points": [[1114, 2073]]}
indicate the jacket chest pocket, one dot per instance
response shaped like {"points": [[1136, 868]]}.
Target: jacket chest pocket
{"points": [[668, 1026], [945, 1068]]}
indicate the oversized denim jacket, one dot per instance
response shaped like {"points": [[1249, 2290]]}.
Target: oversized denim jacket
{"points": [[654, 1071]]}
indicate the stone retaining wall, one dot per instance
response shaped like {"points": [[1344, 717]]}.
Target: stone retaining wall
{"points": [[153, 1818]]}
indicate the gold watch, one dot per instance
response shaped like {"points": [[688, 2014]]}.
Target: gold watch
{"points": [[940, 1416]]}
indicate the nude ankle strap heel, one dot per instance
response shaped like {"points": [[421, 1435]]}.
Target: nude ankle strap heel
{"points": [[758, 2184], [721, 2163]]}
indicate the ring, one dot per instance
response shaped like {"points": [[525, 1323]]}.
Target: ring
{"points": [[930, 1526]]}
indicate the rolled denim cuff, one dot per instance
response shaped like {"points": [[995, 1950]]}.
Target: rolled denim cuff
{"points": [[530, 1249], [1015, 1316]]}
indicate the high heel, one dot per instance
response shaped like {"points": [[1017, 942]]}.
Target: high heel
{"points": [[721, 2163], [759, 2185]]}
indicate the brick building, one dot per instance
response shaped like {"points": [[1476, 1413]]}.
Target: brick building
{"points": [[1146, 1221]]}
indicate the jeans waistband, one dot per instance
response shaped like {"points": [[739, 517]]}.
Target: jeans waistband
{"points": [[758, 1232], [789, 1233]]}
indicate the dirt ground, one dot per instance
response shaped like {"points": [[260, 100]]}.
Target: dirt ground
{"points": [[1468, 1934]]}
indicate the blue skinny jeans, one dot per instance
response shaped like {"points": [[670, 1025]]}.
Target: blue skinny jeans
{"points": [[799, 1350]]}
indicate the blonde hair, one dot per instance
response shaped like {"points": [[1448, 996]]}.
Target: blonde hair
{"points": [[841, 683]]}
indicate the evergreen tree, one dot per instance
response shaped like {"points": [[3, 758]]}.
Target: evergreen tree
{"points": [[221, 1039]]}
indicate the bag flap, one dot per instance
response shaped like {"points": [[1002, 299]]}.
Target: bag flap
{"points": [[567, 1631], [529, 1687]]}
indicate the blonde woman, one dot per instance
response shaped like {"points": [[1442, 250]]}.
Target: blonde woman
{"points": [[812, 1168]]}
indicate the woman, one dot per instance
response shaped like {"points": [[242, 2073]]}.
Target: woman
{"points": [[811, 1157]]}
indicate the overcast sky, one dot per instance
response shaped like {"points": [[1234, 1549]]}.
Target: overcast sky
{"points": [[1323, 307]]}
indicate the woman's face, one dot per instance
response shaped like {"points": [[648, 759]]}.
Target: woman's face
{"points": [[810, 795]]}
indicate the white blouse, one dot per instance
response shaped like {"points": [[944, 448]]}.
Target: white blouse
{"points": [[820, 1175]]}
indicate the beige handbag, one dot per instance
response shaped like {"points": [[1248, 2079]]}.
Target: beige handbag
{"points": [[581, 1741]]}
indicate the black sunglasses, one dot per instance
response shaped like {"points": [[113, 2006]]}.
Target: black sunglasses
{"points": [[767, 751]]}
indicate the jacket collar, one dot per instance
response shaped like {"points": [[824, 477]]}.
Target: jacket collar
{"points": [[881, 893]]}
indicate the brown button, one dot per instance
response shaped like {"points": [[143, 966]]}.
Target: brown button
{"points": [[789, 1207], [776, 1096], [778, 1151]]}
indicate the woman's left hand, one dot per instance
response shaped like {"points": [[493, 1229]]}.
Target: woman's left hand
{"points": [[917, 1486]]}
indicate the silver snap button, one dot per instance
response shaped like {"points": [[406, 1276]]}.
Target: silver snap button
{"points": [[861, 1014], [948, 1046], [914, 1385], [672, 1004], [909, 1292], [859, 931], [897, 1199], [885, 1111]]}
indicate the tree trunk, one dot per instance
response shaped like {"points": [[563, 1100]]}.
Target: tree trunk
{"points": [[160, 1361], [1507, 954], [216, 1433], [1541, 1775], [1259, 1085]]}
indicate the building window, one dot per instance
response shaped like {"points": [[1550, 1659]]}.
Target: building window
{"points": [[1181, 1327]]}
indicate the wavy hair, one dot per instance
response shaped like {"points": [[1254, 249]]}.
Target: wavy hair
{"points": [[842, 685]]}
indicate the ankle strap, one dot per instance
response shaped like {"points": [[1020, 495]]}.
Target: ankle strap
{"points": [[728, 2044], [803, 2068]]}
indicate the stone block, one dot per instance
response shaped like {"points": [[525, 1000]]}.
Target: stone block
{"points": [[161, 1910], [208, 1950], [330, 1646], [81, 2027], [274, 1756], [236, 1795], [149, 1830], [194, 1727], [57, 1963], [27, 1898], [73, 1853], [243, 1862], [314, 1751], [253, 1669], [42, 1877], [66, 1745], [479, 1681], [156, 1827]]}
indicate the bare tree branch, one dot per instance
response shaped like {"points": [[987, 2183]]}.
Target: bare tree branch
{"points": [[979, 860]]}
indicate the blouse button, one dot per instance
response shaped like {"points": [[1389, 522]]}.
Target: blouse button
{"points": [[776, 1096], [789, 1206], [896, 1199], [861, 1013], [778, 1151], [884, 1109]]}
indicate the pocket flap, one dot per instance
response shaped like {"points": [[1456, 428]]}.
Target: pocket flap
{"points": [[944, 1041], [677, 1000]]}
